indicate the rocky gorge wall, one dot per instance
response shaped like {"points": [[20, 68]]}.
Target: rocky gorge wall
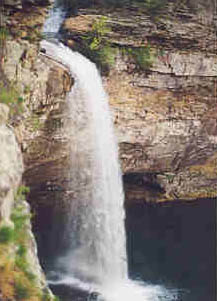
{"points": [[20, 271], [32, 96], [165, 115]]}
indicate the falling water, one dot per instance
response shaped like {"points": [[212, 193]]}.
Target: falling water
{"points": [[53, 22], [97, 249], [96, 219], [95, 258]]}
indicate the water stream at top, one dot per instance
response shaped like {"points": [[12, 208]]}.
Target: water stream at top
{"points": [[96, 257]]}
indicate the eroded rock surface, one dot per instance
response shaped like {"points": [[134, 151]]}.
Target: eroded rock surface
{"points": [[11, 166], [165, 116]]}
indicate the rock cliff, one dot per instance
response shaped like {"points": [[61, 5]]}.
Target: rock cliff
{"points": [[32, 98], [162, 86], [164, 114], [21, 270]]}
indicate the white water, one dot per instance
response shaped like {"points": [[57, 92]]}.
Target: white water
{"points": [[98, 248], [95, 259], [54, 21]]}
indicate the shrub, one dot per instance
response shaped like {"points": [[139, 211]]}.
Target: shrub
{"points": [[6, 234], [11, 97], [21, 192], [8, 95], [100, 28], [20, 219], [23, 265], [47, 297], [3, 33], [143, 56], [96, 46], [105, 57], [21, 250], [22, 291], [6, 278]]}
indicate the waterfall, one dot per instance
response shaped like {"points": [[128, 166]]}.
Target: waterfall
{"points": [[95, 258], [54, 21], [96, 218]]}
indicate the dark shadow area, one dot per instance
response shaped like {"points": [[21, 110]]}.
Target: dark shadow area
{"points": [[67, 293], [174, 244]]}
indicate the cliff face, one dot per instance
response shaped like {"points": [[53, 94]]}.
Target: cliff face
{"points": [[17, 268], [165, 111], [162, 90], [33, 97], [11, 166]]}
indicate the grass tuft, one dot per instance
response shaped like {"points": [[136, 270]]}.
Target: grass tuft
{"points": [[6, 234]]}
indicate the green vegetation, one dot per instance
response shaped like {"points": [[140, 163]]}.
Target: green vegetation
{"points": [[97, 47], [21, 192], [46, 297], [27, 90], [22, 250], [22, 291], [3, 34], [17, 281], [20, 219], [19, 236], [11, 97], [98, 32], [35, 122], [15, 270], [6, 234], [8, 95], [143, 56], [23, 265]]}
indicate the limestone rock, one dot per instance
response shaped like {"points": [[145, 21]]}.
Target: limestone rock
{"points": [[4, 112], [11, 168], [164, 117]]}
